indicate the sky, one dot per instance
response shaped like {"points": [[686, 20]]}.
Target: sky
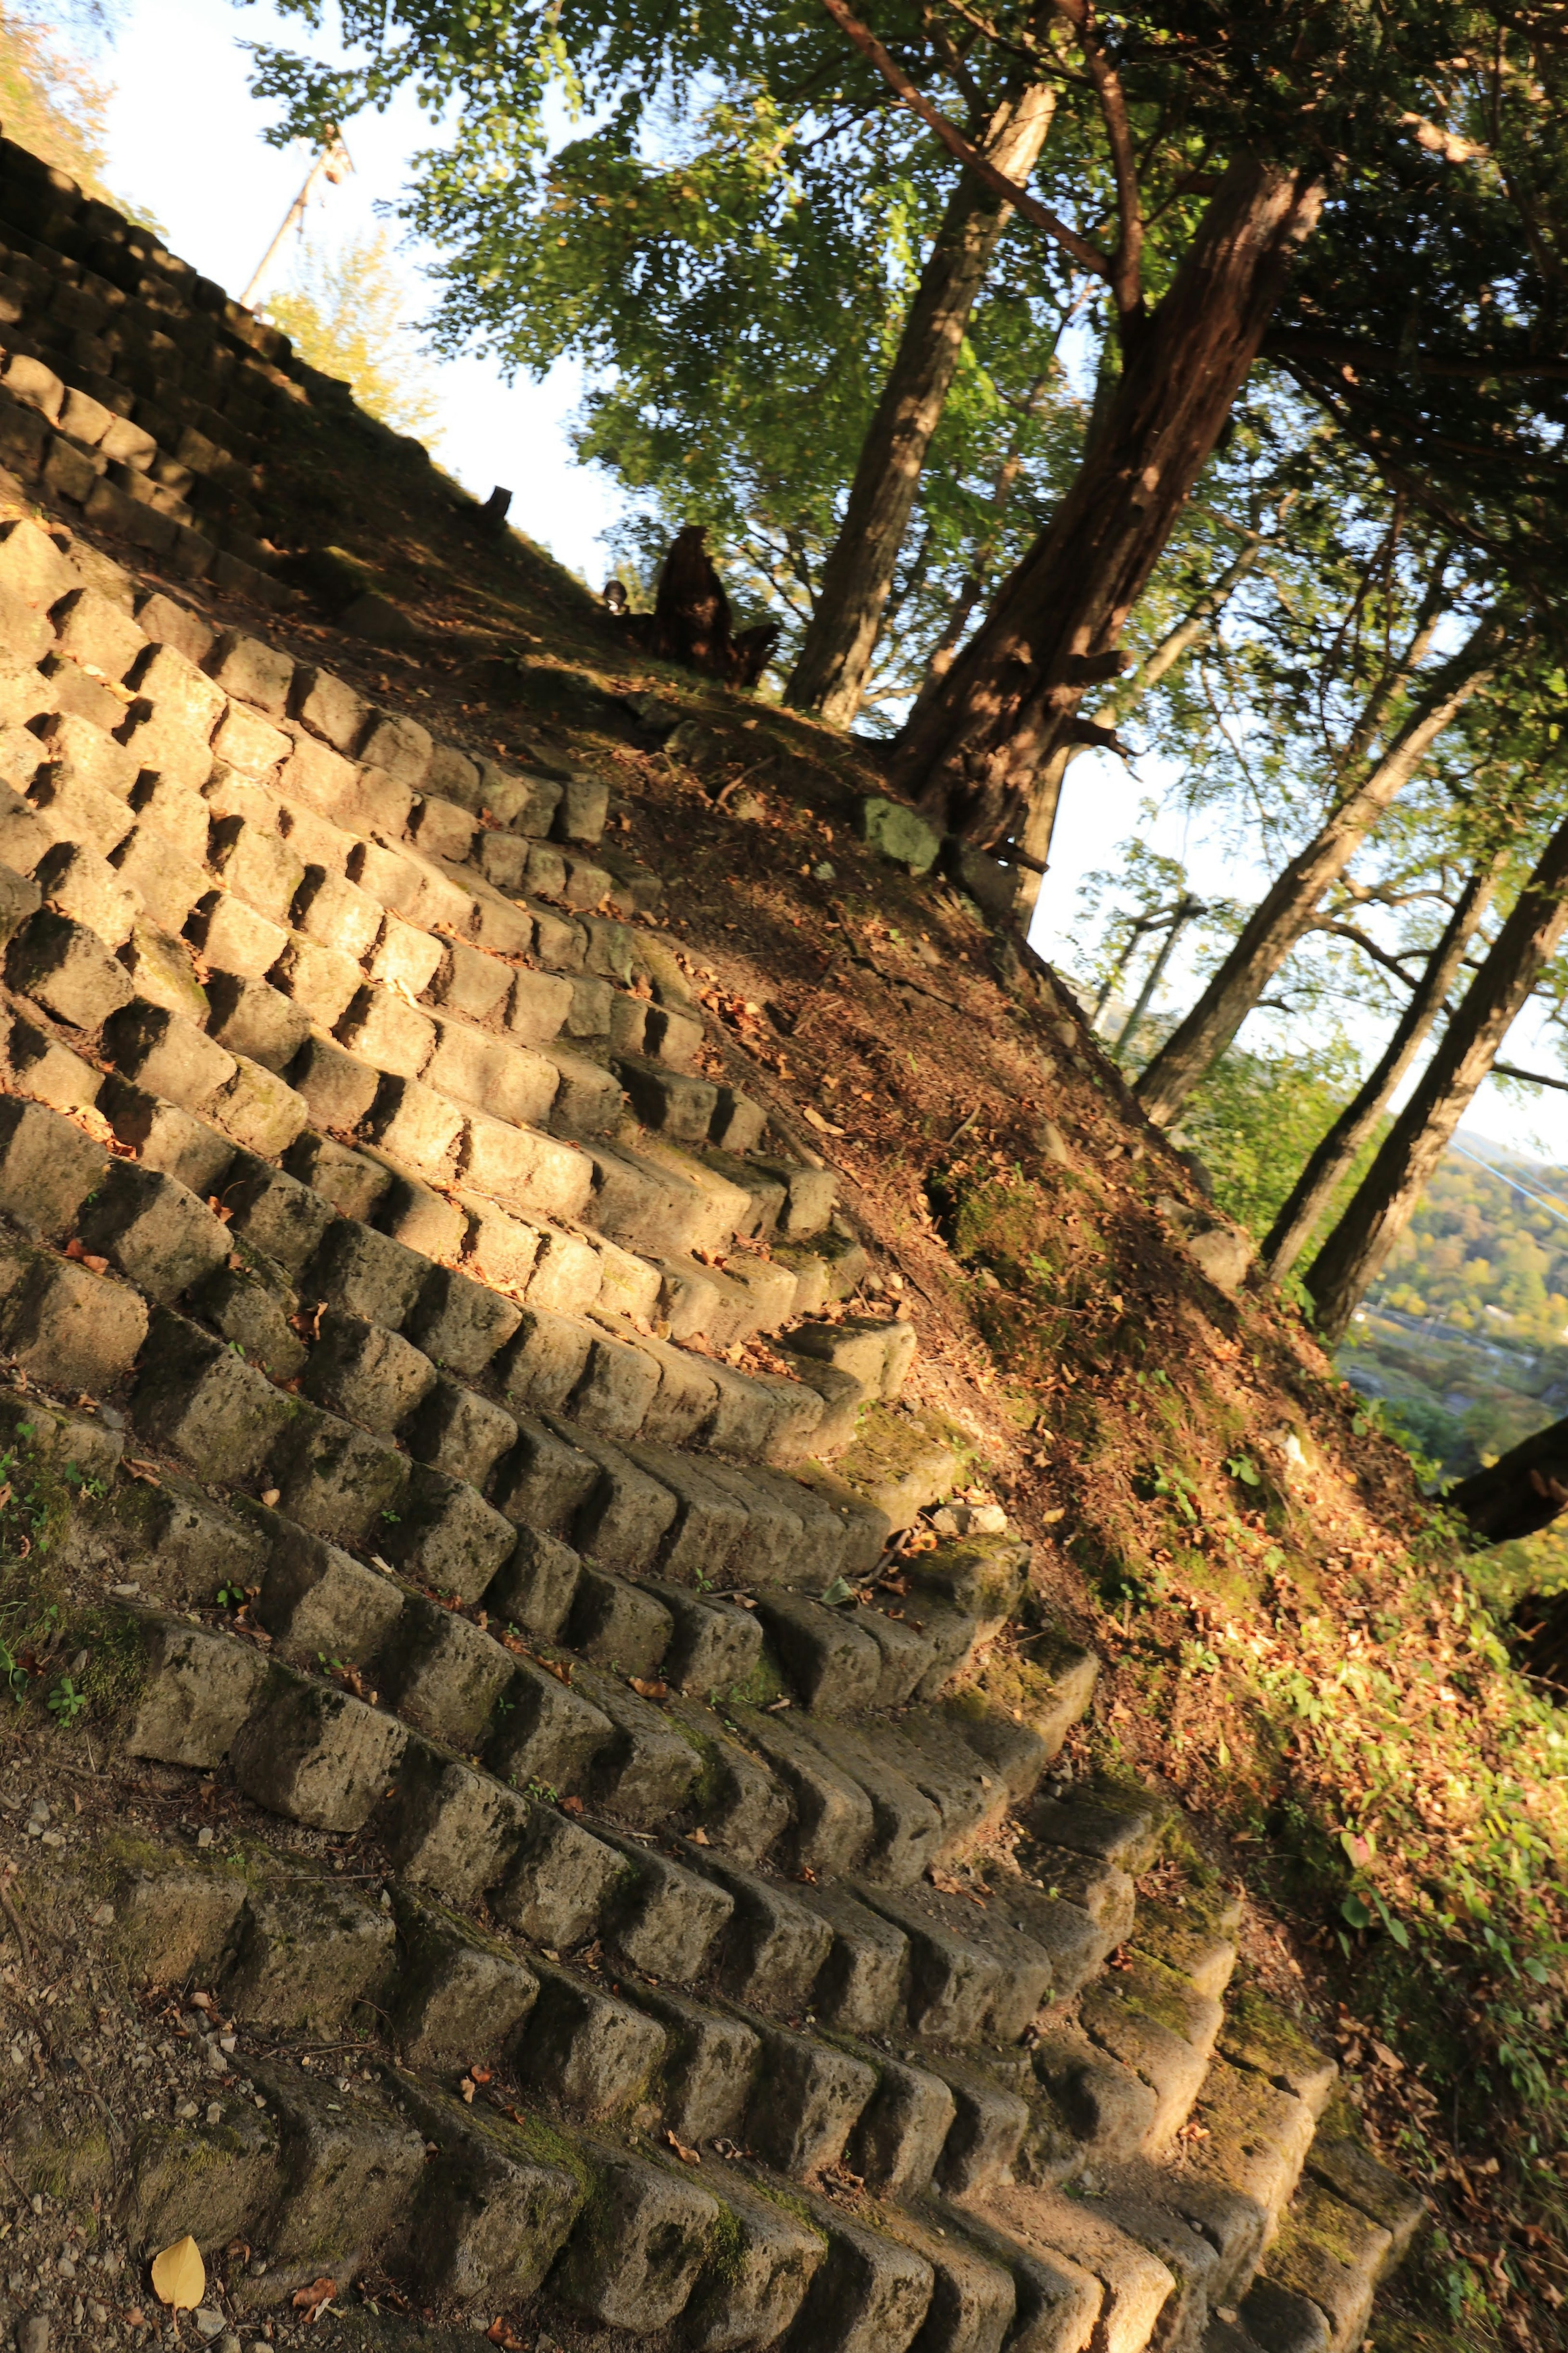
{"points": [[187, 140]]}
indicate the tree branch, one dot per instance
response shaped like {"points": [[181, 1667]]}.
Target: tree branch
{"points": [[1530, 1078], [1285, 344], [1088, 257], [1127, 261], [1368, 946]]}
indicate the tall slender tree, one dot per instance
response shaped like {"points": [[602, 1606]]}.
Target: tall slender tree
{"points": [[1355, 1252], [1285, 912], [1332, 1158], [835, 656]]}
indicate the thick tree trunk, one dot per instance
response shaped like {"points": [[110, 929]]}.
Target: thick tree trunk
{"points": [[1523, 1491], [1010, 699], [1381, 1208], [830, 670], [1278, 921], [1315, 1188]]}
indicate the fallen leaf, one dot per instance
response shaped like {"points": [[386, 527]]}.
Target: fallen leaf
{"points": [[560, 1668], [480, 2075], [467, 2089], [687, 2155], [269, 1497], [179, 2275], [311, 2300], [647, 1687], [700, 1836]]}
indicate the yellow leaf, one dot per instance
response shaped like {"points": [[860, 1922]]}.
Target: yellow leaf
{"points": [[179, 2275]]}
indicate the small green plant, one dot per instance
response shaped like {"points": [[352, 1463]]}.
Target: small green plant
{"points": [[65, 1703], [1242, 1467]]}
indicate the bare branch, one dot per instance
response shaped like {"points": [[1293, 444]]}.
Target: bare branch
{"points": [[1088, 257]]}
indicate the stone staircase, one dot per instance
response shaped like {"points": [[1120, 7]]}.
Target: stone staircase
{"points": [[651, 1891]]}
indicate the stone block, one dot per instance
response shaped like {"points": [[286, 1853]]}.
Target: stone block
{"points": [[535, 1586], [383, 1029], [448, 1537], [494, 2210], [210, 2181], [89, 628], [176, 689], [304, 1954], [329, 708], [195, 1690], [415, 1125], [774, 1947], [550, 1734], [65, 968], [460, 1432], [441, 829], [618, 1625], [204, 1403], [247, 743], [252, 669], [234, 938], [871, 2294], [457, 1993], [628, 1515], [167, 1055], [163, 883], [807, 2103], [368, 1274], [545, 1482], [404, 957], [651, 2230], [328, 907], [337, 1087], [899, 2138], [400, 747], [246, 1304], [339, 1480], [362, 1370], [833, 1664], [448, 1828], [158, 1235], [251, 1019], [315, 1754], [70, 1328], [750, 2294], [349, 2170], [275, 1213], [585, 2049], [47, 1168], [259, 1109], [318, 1599]]}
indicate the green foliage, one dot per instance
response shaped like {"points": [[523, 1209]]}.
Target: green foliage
{"points": [[1257, 1115], [345, 313]]}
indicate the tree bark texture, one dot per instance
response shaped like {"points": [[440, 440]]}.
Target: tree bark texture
{"points": [[1315, 1186], [1285, 911], [1381, 1206], [970, 753], [1523, 1491], [835, 657]]}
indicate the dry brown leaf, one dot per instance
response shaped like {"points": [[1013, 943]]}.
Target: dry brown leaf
{"points": [[312, 2300], [179, 2275], [687, 2155], [646, 1687]]}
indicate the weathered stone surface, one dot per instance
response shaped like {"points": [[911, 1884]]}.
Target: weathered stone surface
{"points": [[316, 1754], [635, 2266], [196, 1691], [495, 2202], [304, 1953]]}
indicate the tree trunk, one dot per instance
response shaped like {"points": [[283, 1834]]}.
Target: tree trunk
{"points": [[1278, 921], [1320, 1179], [1523, 1491], [1039, 825], [1378, 1211], [830, 670], [1010, 699]]}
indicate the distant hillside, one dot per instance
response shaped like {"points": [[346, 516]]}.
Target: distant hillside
{"points": [[1466, 1337]]}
